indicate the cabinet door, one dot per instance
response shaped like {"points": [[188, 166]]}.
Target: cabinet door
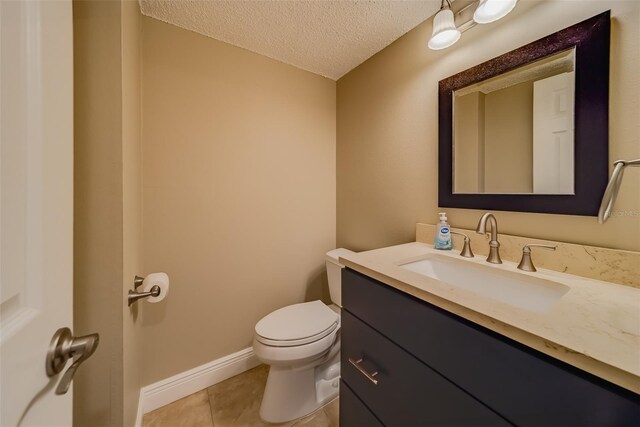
{"points": [[353, 413], [404, 392]]}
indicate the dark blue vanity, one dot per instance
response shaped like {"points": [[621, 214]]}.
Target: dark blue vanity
{"points": [[435, 368]]}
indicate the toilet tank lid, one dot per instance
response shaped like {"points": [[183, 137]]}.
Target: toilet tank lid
{"points": [[334, 254]]}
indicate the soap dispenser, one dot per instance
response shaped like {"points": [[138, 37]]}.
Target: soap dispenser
{"points": [[443, 234]]}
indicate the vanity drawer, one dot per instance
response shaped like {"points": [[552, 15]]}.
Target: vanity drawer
{"points": [[523, 385], [408, 392], [354, 413]]}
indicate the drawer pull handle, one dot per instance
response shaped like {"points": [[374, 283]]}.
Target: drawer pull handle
{"points": [[370, 377]]}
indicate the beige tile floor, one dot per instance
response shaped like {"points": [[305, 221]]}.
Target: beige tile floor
{"points": [[232, 403]]}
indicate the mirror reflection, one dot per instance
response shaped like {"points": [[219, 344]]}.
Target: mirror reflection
{"points": [[514, 133]]}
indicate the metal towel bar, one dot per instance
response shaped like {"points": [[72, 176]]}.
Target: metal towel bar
{"points": [[610, 194]]}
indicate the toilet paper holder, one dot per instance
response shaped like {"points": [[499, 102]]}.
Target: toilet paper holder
{"points": [[135, 296]]}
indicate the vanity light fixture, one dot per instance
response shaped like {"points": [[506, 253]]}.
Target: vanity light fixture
{"points": [[446, 33], [492, 10]]}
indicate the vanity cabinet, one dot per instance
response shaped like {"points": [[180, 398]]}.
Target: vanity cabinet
{"points": [[436, 368], [358, 414]]}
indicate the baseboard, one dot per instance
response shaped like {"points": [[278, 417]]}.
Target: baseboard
{"points": [[139, 413], [181, 385]]}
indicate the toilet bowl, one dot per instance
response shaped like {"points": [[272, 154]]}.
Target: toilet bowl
{"points": [[301, 343]]}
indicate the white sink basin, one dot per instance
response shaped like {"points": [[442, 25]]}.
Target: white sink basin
{"points": [[520, 290]]}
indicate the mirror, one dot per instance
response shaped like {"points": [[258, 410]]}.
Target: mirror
{"points": [[513, 133], [528, 130]]}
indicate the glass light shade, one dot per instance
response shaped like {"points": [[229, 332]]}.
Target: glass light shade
{"points": [[492, 10], [445, 32]]}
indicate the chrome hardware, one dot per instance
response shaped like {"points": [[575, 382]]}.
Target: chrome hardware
{"points": [[610, 194], [137, 281], [494, 245], [135, 296], [466, 250], [370, 377], [525, 263], [65, 346]]}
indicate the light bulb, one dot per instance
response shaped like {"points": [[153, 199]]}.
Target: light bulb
{"points": [[492, 10], [445, 32]]}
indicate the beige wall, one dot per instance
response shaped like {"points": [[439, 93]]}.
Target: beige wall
{"points": [[239, 193], [468, 134], [387, 130], [98, 210], [131, 204], [107, 207], [493, 141], [508, 140]]}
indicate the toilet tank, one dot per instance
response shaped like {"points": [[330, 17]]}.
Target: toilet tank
{"points": [[334, 274]]}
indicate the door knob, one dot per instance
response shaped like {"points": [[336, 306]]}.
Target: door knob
{"points": [[65, 346]]}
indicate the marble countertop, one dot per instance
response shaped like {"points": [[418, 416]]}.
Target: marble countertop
{"points": [[595, 326]]}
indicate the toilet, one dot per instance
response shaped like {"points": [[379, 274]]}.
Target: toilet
{"points": [[301, 343]]}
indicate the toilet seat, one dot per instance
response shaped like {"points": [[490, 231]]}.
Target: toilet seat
{"points": [[297, 324]]}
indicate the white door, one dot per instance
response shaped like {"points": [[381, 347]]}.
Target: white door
{"points": [[36, 205], [553, 105]]}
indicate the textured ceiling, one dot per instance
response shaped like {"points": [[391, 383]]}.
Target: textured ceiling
{"points": [[329, 38]]}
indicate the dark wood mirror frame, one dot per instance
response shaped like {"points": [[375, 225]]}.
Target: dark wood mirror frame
{"points": [[591, 145]]}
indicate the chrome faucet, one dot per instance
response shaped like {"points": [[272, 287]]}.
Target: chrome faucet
{"points": [[494, 245], [466, 250], [525, 263]]}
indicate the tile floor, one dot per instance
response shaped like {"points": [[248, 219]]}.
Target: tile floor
{"points": [[232, 403]]}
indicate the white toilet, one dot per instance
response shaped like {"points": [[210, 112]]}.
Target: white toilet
{"points": [[301, 343]]}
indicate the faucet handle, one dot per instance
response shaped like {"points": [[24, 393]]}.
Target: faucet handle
{"points": [[466, 249], [526, 264]]}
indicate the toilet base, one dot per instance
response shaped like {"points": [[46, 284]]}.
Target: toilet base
{"points": [[292, 393]]}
